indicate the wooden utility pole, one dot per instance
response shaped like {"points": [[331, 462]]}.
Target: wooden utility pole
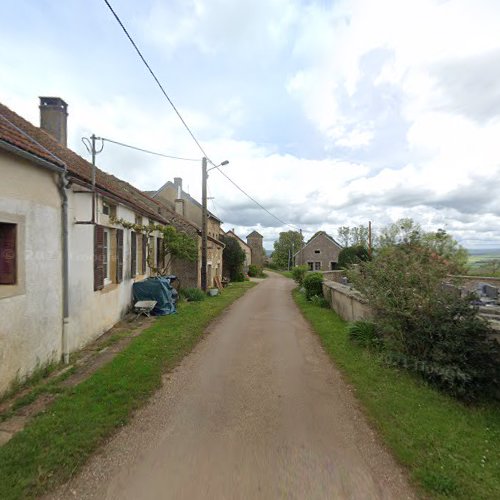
{"points": [[204, 238]]}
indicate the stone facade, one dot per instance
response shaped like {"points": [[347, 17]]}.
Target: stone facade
{"points": [[244, 247], [320, 253], [254, 241]]}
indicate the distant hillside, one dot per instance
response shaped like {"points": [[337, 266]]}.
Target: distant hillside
{"points": [[484, 251]]}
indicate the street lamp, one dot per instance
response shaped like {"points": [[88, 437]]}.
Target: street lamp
{"points": [[204, 219]]}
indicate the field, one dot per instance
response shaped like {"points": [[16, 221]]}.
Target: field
{"points": [[484, 262]]}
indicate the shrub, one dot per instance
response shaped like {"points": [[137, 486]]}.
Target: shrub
{"points": [[319, 301], [193, 294], [425, 329], [313, 285], [352, 255], [254, 271], [364, 333], [298, 274], [238, 277]]}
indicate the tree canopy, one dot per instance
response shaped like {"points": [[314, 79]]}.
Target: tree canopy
{"points": [[233, 258], [288, 243]]}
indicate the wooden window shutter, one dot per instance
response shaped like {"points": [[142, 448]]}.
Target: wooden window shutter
{"points": [[119, 255], [133, 254], [98, 257], [8, 254], [159, 248], [144, 250]]}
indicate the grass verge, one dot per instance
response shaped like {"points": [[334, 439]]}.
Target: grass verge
{"points": [[451, 450], [56, 443]]}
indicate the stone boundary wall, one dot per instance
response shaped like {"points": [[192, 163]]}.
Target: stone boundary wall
{"points": [[346, 302], [333, 275], [471, 282]]}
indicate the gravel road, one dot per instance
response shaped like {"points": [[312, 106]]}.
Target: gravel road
{"points": [[256, 411]]}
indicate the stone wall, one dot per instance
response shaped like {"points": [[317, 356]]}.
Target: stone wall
{"points": [[346, 302]]}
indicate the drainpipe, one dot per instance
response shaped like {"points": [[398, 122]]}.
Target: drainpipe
{"points": [[63, 185]]}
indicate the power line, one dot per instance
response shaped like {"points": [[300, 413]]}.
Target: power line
{"points": [[255, 201], [147, 150], [155, 78], [182, 119]]}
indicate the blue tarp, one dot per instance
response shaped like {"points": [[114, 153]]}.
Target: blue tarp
{"points": [[159, 289]]}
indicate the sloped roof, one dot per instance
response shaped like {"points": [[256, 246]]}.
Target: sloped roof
{"points": [[232, 234], [319, 233], [255, 233], [185, 196], [79, 169]]}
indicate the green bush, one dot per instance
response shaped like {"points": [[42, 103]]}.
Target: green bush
{"points": [[313, 285], [193, 294], [364, 333], [352, 255], [319, 301], [298, 274], [239, 277], [255, 271], [425, 329]]}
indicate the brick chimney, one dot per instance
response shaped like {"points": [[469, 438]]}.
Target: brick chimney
{"points": [[54, 118]]}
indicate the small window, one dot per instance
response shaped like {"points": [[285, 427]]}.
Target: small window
{"points": [[106, 209], [8, 254], [317, 251], [317, 266], [138, 220]]}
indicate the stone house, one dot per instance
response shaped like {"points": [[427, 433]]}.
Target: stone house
{"points": [[172, 195], [320, 253], [254, 241], [244, 247], [66, 266]]}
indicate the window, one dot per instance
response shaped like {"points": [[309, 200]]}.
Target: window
{"points": [[105, 209], [317, 251], [108, 256], [317, 266], [333, 266], [108, 209], [8, 253]]}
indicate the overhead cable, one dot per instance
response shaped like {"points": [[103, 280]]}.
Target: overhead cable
{"points": [[147, 151], [155, 78]]}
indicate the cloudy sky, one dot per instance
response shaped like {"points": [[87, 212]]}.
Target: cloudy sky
{"points": [[331, 112]]}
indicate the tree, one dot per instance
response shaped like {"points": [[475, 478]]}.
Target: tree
{"points": [[286, 246], [353, 236], [344, 235], [402, 231], [352, 255], [233, 258]]}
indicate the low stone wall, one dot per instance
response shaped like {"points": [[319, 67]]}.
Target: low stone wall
{"points": [[471, 283], [333, 276], [346, 302]]}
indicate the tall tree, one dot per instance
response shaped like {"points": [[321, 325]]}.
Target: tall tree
{"points": [[288, 243], [233, 258], [344, 235]]}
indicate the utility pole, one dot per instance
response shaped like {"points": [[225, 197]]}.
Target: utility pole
{"points": [[90, 145], [204, 237], [204, 219]]}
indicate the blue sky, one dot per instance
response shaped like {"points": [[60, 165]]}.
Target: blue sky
{"points": [[330, 112]]}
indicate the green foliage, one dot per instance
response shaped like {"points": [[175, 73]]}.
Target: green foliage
{"points": [[445, 445], [288, 243], [352, 255], [364, 333], [233, 258], [298, 273], [193, 294], [353, 236], [255, 271], [313, 285], [427, 330], [239, 277], [319, 301]]}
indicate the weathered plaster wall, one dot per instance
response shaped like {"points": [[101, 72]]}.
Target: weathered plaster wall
{"points": [[31, 312]]}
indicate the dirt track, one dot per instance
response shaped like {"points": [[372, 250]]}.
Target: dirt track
{"points": [[256, 411]]}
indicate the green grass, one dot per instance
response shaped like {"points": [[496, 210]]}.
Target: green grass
{"points": [[450, 450], [56, 443]]}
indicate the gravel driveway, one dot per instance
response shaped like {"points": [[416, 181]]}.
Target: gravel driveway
{"points": [[256, 411]]}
